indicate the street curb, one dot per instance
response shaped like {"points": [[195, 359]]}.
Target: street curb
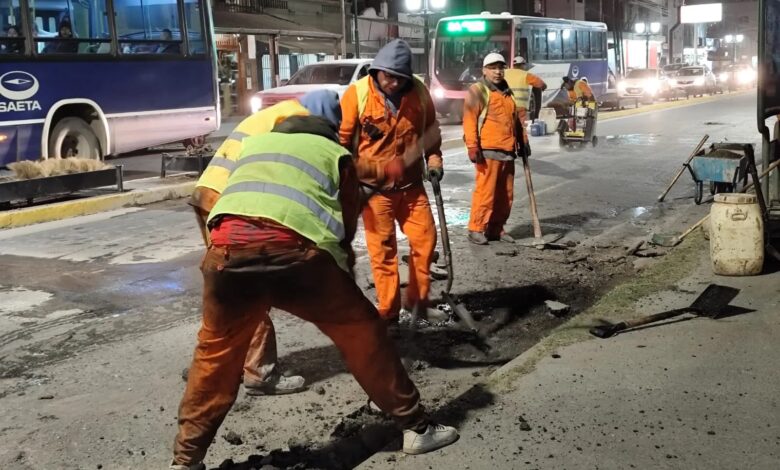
{"points": [[660, 106], [93, 205], [661, 276]]}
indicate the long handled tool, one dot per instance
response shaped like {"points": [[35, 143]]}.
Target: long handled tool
{"points": [[709, 303], [683, 167], [457, 308], [538, 241]]}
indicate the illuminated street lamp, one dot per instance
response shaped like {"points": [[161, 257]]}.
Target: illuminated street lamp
{"points": [[647, 30], [426, 8], [734, 39]]}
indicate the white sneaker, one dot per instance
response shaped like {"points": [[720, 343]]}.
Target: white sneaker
{"points": [[197, 466], [435, 437], [278, 385]]}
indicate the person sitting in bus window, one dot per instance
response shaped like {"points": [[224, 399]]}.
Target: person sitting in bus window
{"points": [[14, 45], [66, 42], [168, 47]]}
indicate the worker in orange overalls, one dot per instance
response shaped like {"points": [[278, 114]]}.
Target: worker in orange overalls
{"points": [[521, 81], [578, 89], [390, 122], [261, 372], [494, 136]]}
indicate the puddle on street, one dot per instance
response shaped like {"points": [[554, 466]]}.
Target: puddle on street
{"points": [[632, 139]]}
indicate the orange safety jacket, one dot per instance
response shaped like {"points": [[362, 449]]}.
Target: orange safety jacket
{"points": [[410, 134], [497, 130]]}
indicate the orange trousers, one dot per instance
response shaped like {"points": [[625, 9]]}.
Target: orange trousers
{"points": [[240, 285], [413, 212], [491, 202]]}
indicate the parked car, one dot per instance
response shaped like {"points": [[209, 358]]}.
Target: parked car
{"points": [[644, 84], [332, 75], [694, 80], [737, 76]]}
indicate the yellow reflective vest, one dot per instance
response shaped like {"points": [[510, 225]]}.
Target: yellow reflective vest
{"points": [[215, 176], [517, 79], [292, 179]]}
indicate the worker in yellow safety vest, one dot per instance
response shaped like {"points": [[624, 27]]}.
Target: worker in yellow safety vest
{"points": [[261, 374], [521, 81]]}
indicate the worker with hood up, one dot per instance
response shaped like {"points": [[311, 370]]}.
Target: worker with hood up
{"points": [[390, 123], [261, 374]]}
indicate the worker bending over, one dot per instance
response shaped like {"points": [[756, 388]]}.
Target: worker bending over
{"points": [[578, 89]]}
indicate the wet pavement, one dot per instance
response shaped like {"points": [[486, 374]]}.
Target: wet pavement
{"points": [[100, 311]]}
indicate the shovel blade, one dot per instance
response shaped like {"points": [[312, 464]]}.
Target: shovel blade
{"points": [[711, 302]]}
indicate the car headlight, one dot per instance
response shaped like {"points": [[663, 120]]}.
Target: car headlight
{"points": [[651, 86], [699, 81], [672, 82], [746, 76], [622, 86], [724, 76], [438, 93], [256, 103]]}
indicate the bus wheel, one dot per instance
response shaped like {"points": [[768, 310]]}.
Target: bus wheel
{"points": [[72, 137]]}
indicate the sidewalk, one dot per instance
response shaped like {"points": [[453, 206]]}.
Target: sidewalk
{"points": [[691, 393]]}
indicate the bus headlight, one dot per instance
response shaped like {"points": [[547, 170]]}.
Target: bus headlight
{"points": [[256, 103], [438, 93]]}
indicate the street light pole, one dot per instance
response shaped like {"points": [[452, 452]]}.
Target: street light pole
{"points": [[356, 32], [426, 8], [427, 47], [343, 29]]}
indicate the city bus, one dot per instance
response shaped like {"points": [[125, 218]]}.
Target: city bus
{"points": [[90, 78], [553, 48]]}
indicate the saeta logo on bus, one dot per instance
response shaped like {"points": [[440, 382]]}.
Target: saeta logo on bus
{"points": [[18, 87]]}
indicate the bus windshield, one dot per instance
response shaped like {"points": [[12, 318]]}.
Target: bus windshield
{"points": [[462, 44]]}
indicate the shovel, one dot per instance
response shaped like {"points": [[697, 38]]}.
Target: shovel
{"points": [[709, 303], [457, 308]]}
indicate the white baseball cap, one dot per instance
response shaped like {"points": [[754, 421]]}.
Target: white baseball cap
{"points": [[518, 60], [493, 58]]}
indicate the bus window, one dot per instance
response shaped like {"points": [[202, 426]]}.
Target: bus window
{"points": [[11, 33], [554, 47], [148, 28], [569, 44], [461, 45], [192, 16], [521, 48], [597, 45], [583, 45], [64, 27], [539, 43]]}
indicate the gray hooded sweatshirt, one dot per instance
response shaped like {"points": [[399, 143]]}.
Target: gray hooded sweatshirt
{"points": [[394, 58]]}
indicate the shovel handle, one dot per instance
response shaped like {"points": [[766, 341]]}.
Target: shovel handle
{"points": [[445, 235], [682, 168], [633, 323]]}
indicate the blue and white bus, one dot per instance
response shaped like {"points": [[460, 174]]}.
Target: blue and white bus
{"points": [[554, 48], [91, 78]]}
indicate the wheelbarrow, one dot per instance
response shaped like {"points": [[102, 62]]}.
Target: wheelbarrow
{"points": [[723, 168]]}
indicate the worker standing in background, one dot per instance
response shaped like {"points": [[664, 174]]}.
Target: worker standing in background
{"points": [[390, 123], [522, 82], [578, 89], [493, 134], [296, 192], [261, 375]]}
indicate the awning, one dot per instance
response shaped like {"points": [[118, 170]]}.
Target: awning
{"points": [[226, 22]]}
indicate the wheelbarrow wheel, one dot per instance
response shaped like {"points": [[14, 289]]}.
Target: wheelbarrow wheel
{"points": [[699, 192]]}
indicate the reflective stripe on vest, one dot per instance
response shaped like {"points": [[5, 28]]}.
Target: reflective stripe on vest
{"points": [[517, 80], [215, 175], [335, 226], [292, 179], [485, 96]]}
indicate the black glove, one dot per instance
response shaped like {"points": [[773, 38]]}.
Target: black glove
{"points": [[437, 173]]}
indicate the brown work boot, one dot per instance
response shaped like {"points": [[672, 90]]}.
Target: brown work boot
{"points": [[478, 238]]}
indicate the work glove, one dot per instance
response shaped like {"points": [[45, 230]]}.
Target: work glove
{"points": [[475, 155], [435, 173], [394, 169]]}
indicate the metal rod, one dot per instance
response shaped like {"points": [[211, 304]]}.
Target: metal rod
{"points": [[120, 182], [427, 39], [356, 32], [343, 30]]}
